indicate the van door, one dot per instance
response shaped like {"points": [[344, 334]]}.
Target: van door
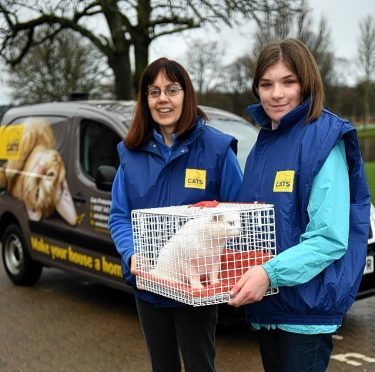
{"points": [[93, 143]]}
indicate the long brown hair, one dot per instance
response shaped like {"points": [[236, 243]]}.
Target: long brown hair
{"points": [[296, 55], [140, 130]]}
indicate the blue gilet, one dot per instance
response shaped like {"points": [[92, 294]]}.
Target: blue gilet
{"points": [[151, 180], [280, 170]]}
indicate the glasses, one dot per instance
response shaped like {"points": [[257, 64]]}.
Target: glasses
{"points": [[170, 91]]}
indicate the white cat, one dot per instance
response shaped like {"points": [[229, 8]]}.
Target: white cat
{"points": [[195, 250]]}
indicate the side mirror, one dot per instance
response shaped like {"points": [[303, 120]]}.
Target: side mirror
{"points": [[104, 177]]}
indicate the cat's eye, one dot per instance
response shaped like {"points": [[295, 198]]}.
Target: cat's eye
{"points": [[50, 174], [37, 194]]}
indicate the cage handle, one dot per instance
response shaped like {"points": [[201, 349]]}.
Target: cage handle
{"points": [[205, 204]]}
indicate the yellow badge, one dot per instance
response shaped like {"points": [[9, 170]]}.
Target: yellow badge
{"points": [[10, 141], [284, 181], [195, 178]]}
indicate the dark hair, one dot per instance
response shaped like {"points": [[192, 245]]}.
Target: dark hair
{"points": [[296, 55], [140, 130]]}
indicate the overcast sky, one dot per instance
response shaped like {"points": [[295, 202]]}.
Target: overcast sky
{"points": [[343, 18]]}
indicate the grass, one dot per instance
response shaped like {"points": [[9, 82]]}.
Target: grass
{"points": [[366, 133], [370, 171], [369, 165]]}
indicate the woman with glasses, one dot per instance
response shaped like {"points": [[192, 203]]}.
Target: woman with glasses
{"points": [[169, 142]]}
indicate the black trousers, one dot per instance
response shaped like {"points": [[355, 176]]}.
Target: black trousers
{"points": [[188, 329], [292, 352]]}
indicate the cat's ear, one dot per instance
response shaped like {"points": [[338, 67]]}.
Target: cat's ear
{"points": [[34, 215], [218, 217], [64, 203], [3, 180], [28, 141], [35, 132]]}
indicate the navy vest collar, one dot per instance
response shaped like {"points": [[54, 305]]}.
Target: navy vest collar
{"points": [[152, 145], [257, 112]]}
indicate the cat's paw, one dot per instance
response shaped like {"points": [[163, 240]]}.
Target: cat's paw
{"points": [[34, 215], [195, 285]]}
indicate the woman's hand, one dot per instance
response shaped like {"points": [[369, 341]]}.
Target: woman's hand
{"points": [[250, 288], [133, 269]]}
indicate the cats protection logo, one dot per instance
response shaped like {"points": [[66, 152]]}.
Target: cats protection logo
{"points": [[284, 181], [10, 141], [195, 178]]}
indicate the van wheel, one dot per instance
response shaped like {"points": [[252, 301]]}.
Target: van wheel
{"points": [[19, 266]]}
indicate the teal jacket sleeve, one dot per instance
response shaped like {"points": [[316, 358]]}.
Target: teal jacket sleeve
{"points": [[231, 177], [327, 233]]}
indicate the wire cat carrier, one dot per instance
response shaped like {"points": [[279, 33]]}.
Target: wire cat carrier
{"points": [[195, 253]]}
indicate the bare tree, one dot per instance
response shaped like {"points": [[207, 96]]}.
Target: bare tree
{"points": [[287, 22], [204, 64], [130, 23], [366, 53], [53, 71], [321, 47], [239, 75], [274, 25], [237, 81]]}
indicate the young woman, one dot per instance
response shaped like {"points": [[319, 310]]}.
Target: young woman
{"points": [[168, 140], [307, 162]]}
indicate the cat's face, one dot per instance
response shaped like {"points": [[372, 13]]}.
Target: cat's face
{"points": [[45, 187], [227, 225]]}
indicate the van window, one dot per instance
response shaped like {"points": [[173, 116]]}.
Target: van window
{"points": [[98, 146], [57, 123]]}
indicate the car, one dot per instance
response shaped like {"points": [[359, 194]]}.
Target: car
{"points": [[55, 200]]}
